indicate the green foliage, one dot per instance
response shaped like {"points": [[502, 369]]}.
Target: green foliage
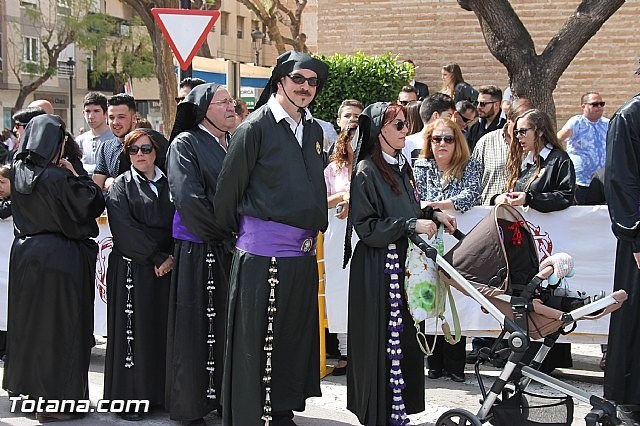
{"points": [[121, 49], [368, 79]]}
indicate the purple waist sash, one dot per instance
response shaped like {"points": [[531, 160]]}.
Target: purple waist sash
{"points": [[274, 239], [180, 231]]}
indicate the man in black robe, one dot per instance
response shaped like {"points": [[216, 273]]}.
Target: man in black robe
{"points": [[51, 271], [198, 293], [622, 190], [271, 192]]}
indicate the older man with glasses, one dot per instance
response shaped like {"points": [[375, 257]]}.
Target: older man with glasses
{"points": [[489, 101], [585, 137], [202, 261]]}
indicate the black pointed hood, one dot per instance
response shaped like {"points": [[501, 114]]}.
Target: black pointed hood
{"points": [[41, 143]]}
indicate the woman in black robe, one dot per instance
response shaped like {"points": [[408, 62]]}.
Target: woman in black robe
{"points": [[138, 277], [51, 271], [384, 212]]}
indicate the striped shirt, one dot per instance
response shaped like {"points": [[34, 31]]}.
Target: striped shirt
{"points": [[491, 151]]}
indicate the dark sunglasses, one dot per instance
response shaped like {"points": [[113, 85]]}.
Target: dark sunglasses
{"points": [[405, 103], [465, 119], [484, 104], [399, 124], [179, 99], [133, 149], [521, 132], [438, 139], [300, 79], [597, 104]]}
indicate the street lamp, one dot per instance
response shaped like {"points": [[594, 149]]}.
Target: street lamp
{"points": [[70, 67], [257, 36]]}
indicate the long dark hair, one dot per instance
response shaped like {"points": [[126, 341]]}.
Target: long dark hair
{"points": [[376, 151], [456, 72], [542, 127]]}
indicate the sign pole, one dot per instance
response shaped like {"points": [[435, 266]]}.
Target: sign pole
{"points": [[185, 4]]}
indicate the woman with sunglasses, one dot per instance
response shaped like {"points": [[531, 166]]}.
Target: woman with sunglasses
{"points": [[139, 274], [447, 178], [540, 173], [384, 212]]}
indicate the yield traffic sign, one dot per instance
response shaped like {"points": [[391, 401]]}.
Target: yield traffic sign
{"points": [[185, 30]]}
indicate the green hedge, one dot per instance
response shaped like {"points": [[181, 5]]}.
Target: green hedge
{"points": [[365, 78]]}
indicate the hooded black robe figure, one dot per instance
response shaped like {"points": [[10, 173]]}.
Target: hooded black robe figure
{"points": [[384, 211], [271, 192], [140, 219], [52, 270], [198, 294], [622, 189]]}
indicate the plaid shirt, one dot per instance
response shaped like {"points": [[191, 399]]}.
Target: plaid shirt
{"points": [[491, 151]]}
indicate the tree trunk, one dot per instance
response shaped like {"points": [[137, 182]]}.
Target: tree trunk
{"points": [[205, 50], [27, 89], [163, 60]]}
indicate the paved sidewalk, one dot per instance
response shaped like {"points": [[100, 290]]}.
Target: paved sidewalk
{"points": [[330, 410]]}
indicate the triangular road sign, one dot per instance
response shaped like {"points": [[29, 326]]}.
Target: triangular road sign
{"points": [[185, 30]]}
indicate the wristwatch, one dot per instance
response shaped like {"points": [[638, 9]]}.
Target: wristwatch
{"points": [[411, 225]]}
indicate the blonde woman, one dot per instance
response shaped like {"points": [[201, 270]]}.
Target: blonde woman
{"points": [[447, 179]]}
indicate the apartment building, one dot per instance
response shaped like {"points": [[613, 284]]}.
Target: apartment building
{"points": [[21, 43]]}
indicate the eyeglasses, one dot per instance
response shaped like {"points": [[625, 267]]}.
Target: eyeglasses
{"points": [[597, 104], [300, 79], [179, 99], [438, 139], [465, 119], [399, 124], [133, 149], [484, 104], [225, 102], [521, 132], [405, 103]]}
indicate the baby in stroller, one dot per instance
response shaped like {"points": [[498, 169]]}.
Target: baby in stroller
{"points": [[497, 265]]}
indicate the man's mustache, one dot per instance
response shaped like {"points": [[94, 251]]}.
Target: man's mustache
{"points": [[302, 92]]}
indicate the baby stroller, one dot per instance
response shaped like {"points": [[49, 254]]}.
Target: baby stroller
{"points": [[497, 265]]}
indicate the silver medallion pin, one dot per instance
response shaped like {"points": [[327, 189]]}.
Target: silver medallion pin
{"points": [[307, 244]]}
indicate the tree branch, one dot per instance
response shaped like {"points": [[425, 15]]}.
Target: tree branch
{"points": [[583, 24], [505, 34]]}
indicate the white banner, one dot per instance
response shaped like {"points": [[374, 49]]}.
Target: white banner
{"points": [[100, 302], [582, 231]]}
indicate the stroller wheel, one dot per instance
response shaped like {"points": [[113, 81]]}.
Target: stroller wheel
{"points": [[458, 417]]}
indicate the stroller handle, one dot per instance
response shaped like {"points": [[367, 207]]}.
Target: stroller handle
{"points": [[458, 234]]}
